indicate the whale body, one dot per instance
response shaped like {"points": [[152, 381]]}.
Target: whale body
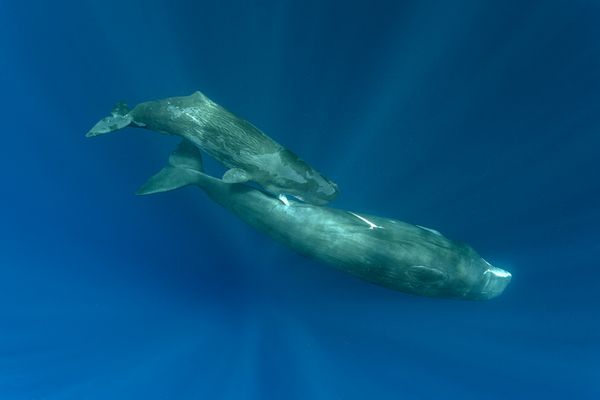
{"points": [[249, 153], [387, 252]]}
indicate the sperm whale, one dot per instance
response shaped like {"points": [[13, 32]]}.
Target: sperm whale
{"points": [[249, 154], [384, 251]]}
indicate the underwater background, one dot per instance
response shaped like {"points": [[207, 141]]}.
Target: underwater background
{"points": [[479, 119]]}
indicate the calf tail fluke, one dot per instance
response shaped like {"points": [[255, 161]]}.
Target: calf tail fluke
{"points": [[118, 119]]}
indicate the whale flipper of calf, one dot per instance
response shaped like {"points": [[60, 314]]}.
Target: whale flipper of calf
{"points": [[384, 251], [236, 143]]}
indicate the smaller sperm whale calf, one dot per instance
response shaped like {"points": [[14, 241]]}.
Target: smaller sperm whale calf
{"points": [[249, 154], [383, 251]]}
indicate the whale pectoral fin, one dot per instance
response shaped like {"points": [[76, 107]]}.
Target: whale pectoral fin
{"points": [[235, 175]]}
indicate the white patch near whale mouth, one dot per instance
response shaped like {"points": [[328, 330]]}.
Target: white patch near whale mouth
{"points": [[496, 280], [363, 219], [500, 273]]}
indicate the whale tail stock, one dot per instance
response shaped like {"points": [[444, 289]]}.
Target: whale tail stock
{"points": [[185, 168], [118, 119]]}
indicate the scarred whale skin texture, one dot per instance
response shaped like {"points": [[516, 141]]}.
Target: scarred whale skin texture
{"points": [[383, 251], [235, 142]]}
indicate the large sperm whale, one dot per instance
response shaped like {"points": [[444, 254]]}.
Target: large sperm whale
{"points": [[384, 251], [249, 153]]}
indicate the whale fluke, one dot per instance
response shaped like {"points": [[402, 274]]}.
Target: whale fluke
{"points": [[118, 119], [185, 168]]}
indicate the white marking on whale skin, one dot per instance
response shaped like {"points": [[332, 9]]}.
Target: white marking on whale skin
{"points": [[189, 112], [284, 199], [363, 219], [430, 230], [500, 273]]}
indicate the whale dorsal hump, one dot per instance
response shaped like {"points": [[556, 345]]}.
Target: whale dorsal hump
{"points": [[235, 175]]}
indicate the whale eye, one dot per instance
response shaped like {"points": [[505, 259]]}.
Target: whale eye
{"points": [[425, 275]]}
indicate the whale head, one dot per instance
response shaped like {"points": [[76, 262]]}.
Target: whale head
{"points": [[493, 282], [319, 190], [474, 284], [438, 267], [286, 173], [480, 280]]}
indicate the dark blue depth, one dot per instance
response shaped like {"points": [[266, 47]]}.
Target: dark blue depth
{"points": [[479, 119]]}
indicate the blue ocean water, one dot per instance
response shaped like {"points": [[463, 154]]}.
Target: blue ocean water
{"points": [[479, 119]]}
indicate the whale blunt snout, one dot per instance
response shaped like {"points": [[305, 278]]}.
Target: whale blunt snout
{"points": [[328, 190], [332, 189], [495, 281], [324, 192]]}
